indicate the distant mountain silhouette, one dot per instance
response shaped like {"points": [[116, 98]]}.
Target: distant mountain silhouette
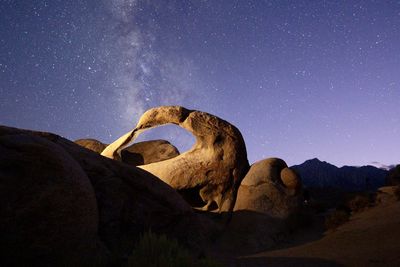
{"points": [[381, 166], [316, 173]]}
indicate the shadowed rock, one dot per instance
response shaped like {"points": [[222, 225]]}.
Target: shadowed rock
{"points": [[137, 154], [62, 204], [48, 205], [270, 187], [214, 166]]}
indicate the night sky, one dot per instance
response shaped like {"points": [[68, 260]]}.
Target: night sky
{"points": [[300, 79]]}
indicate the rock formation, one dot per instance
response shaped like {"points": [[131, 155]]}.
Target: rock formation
{"points": [[139, 153], [92, 144], [148, 152], [48, 205], [214, 166], [61, 204], [270, 187]]}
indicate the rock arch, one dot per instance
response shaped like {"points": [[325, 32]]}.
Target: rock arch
{"points": [[216, 164]]}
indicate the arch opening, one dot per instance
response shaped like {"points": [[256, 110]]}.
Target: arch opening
{"points": [[181, 138]]}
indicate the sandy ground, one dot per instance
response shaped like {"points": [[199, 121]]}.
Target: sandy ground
{"points": [[370, 238]]}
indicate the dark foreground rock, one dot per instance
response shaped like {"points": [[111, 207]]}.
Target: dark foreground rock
{"points": [[48, 205], [62, 204]]}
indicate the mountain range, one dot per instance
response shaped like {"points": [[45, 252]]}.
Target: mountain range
{"points": [[381, 166], [316, 173]]}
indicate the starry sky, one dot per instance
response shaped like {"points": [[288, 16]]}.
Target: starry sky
{"points": [[300, 79]]}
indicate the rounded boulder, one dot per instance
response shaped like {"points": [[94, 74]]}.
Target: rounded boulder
{"points": [[271, 188]]}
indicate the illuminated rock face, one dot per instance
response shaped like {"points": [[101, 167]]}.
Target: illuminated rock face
{"points": [[213, 167], [136, 154], [271, 188], [91, 144], [148, 152]]}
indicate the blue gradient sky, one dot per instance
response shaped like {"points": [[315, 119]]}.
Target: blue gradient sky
{"points": [[300, 79]]}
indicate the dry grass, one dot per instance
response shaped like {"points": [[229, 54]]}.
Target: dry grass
{"points": [[397, 192], [370, 238], [359, 203]]}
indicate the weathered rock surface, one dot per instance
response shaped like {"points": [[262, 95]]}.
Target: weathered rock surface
{"points": [[60, 202], [92, 144], [148, 152], [214, 166], [139, 153], [271, 188]]}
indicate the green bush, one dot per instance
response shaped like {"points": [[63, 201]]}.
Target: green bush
{"points": [[337, 218], [159, 251]]}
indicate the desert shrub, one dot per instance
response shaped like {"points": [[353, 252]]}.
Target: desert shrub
{"points": [[393, 177], [159, 251], [300, 219], [336, 218], [397, 192], [207, 262], [359, 203], [318, 207]]}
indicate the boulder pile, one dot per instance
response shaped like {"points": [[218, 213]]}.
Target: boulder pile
{"points": [[86, 203]]}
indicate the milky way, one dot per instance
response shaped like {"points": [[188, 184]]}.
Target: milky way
{"points": [[300, 79]]}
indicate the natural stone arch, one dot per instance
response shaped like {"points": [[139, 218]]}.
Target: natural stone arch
{"points": [[216, 163]]}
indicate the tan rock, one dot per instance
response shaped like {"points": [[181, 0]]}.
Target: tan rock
{"points": [[148, 152], [214, 166], [270, 187], [139, 153], [92, 144], [291, 180]]}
